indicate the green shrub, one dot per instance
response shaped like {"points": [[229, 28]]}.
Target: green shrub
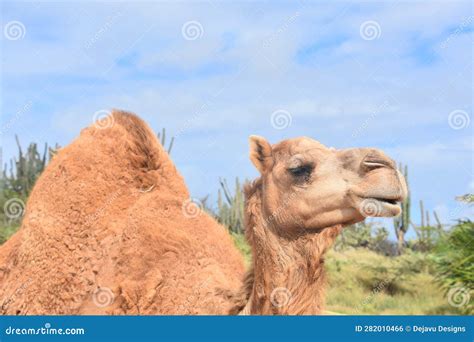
{"points": [[454, 263], [367, 235]]}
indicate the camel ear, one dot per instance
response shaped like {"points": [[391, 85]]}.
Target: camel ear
{"points": [[261, 153]]}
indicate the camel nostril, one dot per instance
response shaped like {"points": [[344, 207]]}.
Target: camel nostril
{"points": [[373, 164], [376, 159]]}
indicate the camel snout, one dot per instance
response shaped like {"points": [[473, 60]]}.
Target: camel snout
{"points": [[375, 159]]}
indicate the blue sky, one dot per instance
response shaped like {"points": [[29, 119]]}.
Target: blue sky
{"points": [[392, 75]]}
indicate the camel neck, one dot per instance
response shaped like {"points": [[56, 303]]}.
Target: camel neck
{"points": [[288, 275]]}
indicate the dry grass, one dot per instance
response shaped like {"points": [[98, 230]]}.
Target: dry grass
{"points": [[363, 282]]}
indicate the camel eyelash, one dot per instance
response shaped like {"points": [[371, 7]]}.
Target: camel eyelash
{"points": [[300, 171]]}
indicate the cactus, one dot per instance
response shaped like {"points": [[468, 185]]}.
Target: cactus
{"points": [[230, 208], [162, 139], [422, 213], [402, 222], [25, 169], [428, 235], [438, 222], [16, 182]]}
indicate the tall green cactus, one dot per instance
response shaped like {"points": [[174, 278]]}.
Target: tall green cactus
{"points": [[16, 182], [25, 169], [230, 207], [162, 139], [402, 222]]}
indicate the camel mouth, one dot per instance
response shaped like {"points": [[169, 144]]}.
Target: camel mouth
{"points": [[380, 207], [387, 200]]}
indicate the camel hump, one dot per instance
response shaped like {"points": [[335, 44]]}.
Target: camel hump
{"points": [[148, 150], [124, 133], [117, 157]]}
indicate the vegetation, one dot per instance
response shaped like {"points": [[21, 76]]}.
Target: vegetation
{"points": [[162, 139], [366, 235], [230, 207], [428, 236], [454, 264], [467, 198], [365, 282], [243, 247], [23, 171], [16, 182]]}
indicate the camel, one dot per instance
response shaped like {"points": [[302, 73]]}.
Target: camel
{"points": [[304, 197], [110, 228]]}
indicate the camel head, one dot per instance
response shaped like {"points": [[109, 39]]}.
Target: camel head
{"points": [[308, 185]]}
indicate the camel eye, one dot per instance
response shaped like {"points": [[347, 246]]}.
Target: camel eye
{"points": [[303, 171]]}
